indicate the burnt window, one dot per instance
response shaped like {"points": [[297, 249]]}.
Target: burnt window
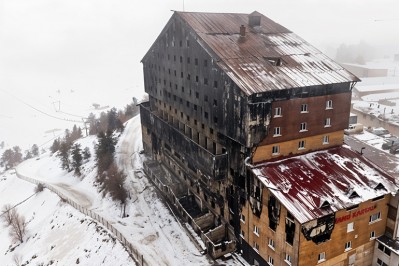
{"points": [[205, 81], [205, 62], [181, 74], [180, 59], [175, 73], [215, 84], [205, 115], [188, 76], [197, 78], [211, 131], [195, 107], [174, 58], [215, 119], [215, 103], [196, 61], [197, 95], [183, 89], [187, 104], [187, 43], [188, 60], [206, 98]]}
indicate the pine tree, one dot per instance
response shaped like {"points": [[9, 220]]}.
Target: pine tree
{"points": [[105, 150], [86, 153], [64, 155], [35, 150], [56, 146], [76, 159]]}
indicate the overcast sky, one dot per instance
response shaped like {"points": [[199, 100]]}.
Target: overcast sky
{"points": [[96, 45]]}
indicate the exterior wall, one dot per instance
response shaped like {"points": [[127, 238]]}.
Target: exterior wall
{"points": [[392, 260], [361, 244], [290, 147], [278, 253], [292, 116]]}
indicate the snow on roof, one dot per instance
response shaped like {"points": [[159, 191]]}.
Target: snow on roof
{"points": [[269, 57], [339, 176]]}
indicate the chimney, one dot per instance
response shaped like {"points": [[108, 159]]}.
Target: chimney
{"points": [[242, 31]]}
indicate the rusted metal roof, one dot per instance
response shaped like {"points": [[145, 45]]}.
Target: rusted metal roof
{"points": [[303, 183], [246, 59]]}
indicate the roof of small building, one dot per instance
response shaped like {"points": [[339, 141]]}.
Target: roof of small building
{"points": [[393, 244], [269, 57], [319, 183]]}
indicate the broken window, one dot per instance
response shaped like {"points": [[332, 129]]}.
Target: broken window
{"points": [[290, 228], [273, 212]]}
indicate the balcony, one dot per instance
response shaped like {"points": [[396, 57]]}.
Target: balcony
{"points": [[209, 164]]}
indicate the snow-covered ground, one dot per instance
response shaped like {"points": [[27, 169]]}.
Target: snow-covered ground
{"points": [[57, 234], [150, 226]]}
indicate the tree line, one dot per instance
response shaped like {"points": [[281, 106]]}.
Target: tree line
{"points": [[106, 127]]}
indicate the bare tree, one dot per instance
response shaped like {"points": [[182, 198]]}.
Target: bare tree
{"points": [[15, 221], [8, 212], [18, 227]]}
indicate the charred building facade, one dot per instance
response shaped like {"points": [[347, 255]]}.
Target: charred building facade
{"points": [[236, 104]]}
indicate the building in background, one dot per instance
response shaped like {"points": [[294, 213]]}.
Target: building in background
{"points": [[244, 126]]}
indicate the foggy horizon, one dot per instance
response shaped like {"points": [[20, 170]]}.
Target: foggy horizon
{"points": [[94, 48]]}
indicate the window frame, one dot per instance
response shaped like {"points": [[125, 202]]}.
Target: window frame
{"points": [[277, 132], [271, 243], [288, 259], [321, 257], [350, 227], [327, 122], [275, 150], [304, 108], [329, 104], [256, 230], [376, 217], [270, 261], [278, 112], [301, 145], [347, 246], [303, 127]]}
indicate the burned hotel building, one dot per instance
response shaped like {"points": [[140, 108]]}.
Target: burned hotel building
{"points": [[244, 130]]}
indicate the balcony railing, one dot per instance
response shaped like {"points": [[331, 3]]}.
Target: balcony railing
{"points": [[212, 165]]}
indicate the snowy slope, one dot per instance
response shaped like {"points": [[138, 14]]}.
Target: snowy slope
{"points": [[150, 226], [57, 234]]}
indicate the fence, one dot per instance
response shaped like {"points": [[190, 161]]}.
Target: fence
{"points": [[138, 258]]}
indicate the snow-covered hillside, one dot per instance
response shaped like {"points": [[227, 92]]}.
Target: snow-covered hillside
{"points": [[59, 233]]}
